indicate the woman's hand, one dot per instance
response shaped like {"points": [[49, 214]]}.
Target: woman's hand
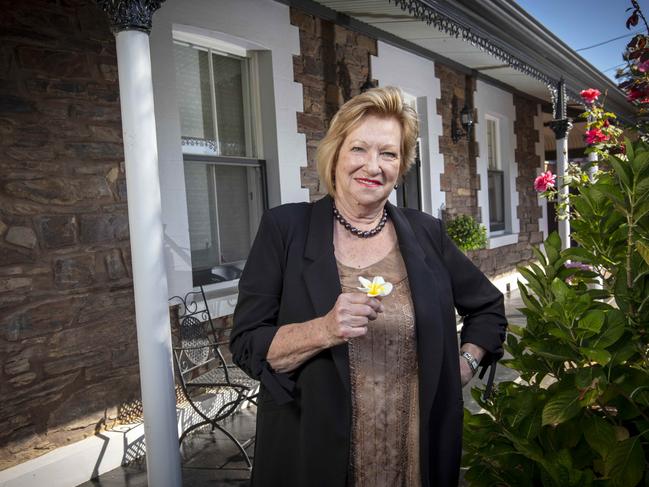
{"points": [[349, 317]]}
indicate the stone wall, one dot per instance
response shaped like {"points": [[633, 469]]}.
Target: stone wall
{"points": [[460, 180], [68, 349], [333, 65]]}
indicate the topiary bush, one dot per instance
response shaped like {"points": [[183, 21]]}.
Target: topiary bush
{"points": [[467, 233]]}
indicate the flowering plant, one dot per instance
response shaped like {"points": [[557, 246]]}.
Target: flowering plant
{"points": [[545, 181], [376, 287]]}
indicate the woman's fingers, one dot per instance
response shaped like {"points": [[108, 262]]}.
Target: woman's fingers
{"points": [[363, 299]]}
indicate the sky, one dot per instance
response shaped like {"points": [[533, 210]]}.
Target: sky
{"points": [[582, 23]]}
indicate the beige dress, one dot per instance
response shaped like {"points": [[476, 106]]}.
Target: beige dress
{"points": [[383, 367]]}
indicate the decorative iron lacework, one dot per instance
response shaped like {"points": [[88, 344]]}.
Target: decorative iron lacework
{"points": [[197, 142], [428, 14], [130, 14]]}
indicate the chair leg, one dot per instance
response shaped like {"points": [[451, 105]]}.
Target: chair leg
{"points": [[237, 443], [192, 428]]}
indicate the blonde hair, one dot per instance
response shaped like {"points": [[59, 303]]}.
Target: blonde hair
{"points": [[384, 102]]}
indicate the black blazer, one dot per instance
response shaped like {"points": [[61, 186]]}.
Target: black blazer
{"points": [[304, 418]]}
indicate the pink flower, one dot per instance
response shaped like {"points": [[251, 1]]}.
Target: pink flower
{"points": [[595, 136], [589, 95], [643, 67], [544, 181]]}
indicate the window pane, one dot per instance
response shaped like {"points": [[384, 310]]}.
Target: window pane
{"points": [[193, 90], [492, 145], [234, 208], [203, 236], [496, 201], [229, 105]]}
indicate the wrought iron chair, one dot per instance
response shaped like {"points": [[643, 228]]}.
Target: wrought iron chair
{"points": [[214, 388]]}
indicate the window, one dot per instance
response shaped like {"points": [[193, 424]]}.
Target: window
{"points": [[495, 179], [409, 189], [225, 183]]}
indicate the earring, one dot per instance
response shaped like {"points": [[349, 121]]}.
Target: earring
{"points": [[396, 186]]}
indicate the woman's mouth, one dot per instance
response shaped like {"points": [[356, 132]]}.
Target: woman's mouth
{"points": [[368, 183]]}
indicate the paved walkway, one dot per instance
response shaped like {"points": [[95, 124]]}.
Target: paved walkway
{"points": [[203, 452]]}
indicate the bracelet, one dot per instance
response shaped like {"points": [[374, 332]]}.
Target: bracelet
{"points": [[473, 363]]}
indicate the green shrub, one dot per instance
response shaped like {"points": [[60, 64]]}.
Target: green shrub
{"points": [[579, 415], [467, 233]]}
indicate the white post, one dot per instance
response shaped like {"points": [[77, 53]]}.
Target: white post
{"points": [[592, 167], [149, 274], [564, 191]]}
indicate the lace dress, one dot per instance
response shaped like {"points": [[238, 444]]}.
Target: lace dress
{"points": [[383, 367]]}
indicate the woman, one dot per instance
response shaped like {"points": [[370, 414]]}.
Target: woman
{"points": [[359, 390]]}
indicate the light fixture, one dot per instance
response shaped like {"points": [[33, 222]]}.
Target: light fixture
{"points": [[465, 121]]}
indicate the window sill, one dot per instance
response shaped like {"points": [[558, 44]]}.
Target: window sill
{"points": [[502, 240], [222, 297]]}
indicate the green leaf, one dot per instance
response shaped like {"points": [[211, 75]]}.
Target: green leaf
{"points": [[592, 320], [515, 329], [628, 146], [561, 407], [598, 355], [621, 170], [552, 350], [643, 250], [599, 434], [528, 300], [560, 290], [641, 211], [539, 255], [532, 281], [612, 330], [578, 253], [625, 463], [639, 162], [553, 241]]}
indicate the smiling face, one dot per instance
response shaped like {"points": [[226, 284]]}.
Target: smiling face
{"points": [[368, 162]]}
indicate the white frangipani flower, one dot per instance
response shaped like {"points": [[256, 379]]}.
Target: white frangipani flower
{"points": [[376, 287]]}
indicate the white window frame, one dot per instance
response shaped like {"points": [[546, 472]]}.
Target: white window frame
{"points": [[253, 132], [509, 235]]}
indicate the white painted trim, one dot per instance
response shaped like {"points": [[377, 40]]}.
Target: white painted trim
{"points": [[502, 240], [495, 103], [415, 76]]}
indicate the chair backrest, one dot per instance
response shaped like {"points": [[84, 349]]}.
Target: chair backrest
{"points": [[197, 348]]}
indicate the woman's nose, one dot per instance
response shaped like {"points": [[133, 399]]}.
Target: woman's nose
{"points": [[372, 163]]}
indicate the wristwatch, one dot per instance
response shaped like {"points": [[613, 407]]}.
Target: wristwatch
{"points": [[473, 363]]}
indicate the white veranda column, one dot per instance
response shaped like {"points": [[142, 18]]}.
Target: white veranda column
{"points": [[131, 20], [564, 193], [561, 126], [593, 166]]}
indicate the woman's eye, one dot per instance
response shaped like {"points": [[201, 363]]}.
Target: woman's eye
{"points": [[357, 149], [391, 155]]}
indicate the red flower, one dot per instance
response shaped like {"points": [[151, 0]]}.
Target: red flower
{"points": [[544, 181], [595, 136], [590, 95], [636, 93]]}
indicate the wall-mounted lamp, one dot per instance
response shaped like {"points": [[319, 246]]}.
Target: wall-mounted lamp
{"points": [[465, 120], [368, 85]]}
